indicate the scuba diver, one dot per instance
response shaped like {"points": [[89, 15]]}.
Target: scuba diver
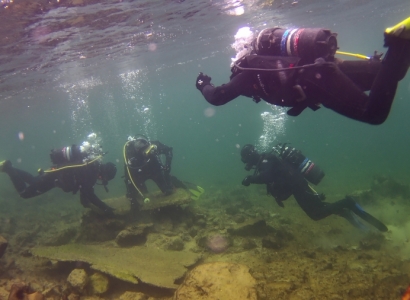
{"points": [[75, 168], [297, 68], [143, 160], [286, 172]]}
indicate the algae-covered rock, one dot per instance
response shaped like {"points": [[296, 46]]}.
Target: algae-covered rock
{"points": [[251, 228], [78, 279], [147, 264], [133, 235], [133, 296], [96, 228], [22, 291], [158, 200], [63, 236], [218, 280], [99, 283], [175, 244]]}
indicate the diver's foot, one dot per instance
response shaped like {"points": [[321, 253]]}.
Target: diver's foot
{"points": [[5, 165], [400, 30]]}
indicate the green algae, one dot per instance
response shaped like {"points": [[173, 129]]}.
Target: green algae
{"points": [[149, 265]]}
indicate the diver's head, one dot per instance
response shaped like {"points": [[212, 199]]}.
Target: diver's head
{"points": [[143, 146], [107, 172], [249, 156], [140, 144]]}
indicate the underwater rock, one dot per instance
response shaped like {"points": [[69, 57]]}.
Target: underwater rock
{"points": [[3, 245], [218, 280], [63, 236], [232, 210], [248, 244], [147, 264], [252, 228], [21, 291], [239, 219], [99, 283], [78, 279], [73, 296], [133, 296], [158, 200], [176, 244], [201, 222], [372, 242], [24, 238], [96, 228], [272, 242], [132, 236], [193, 231]]}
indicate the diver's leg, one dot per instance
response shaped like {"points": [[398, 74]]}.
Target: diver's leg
{"points": [[26, 185], [163, 181], [361, 72], [311, 203], [394, 67], [325, 83], [42, 184], [350, 204]]}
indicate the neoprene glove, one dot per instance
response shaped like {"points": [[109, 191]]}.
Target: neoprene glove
{"points": [[247, 180], [202, 80]]}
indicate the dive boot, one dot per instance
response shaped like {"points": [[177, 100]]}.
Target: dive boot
{"points": [[5, 165], [400, 30]]}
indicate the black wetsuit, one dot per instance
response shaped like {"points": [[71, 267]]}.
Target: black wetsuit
{"points": [[143, 168], [76, 179], [338, 85], [282, 181]]}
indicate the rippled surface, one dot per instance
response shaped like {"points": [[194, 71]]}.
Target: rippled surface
{"points": [[45, 37], [39, 39], [131, 64]]}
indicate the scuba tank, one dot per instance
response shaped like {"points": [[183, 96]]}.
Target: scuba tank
{"points": [[306, 43], [298, 161]]}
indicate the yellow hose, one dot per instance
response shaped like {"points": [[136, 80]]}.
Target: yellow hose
{"points": [[73, 166], [129, 174], [353, 54]]}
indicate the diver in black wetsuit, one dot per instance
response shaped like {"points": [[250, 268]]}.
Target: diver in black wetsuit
{"points": [[73, 170], [296, 68], [143, 162], [287, 172]]}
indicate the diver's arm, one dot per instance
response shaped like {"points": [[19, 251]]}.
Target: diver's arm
{"points": [[220, 95], [87, 195], [361, 72], [255, 179], [167, 151]]}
